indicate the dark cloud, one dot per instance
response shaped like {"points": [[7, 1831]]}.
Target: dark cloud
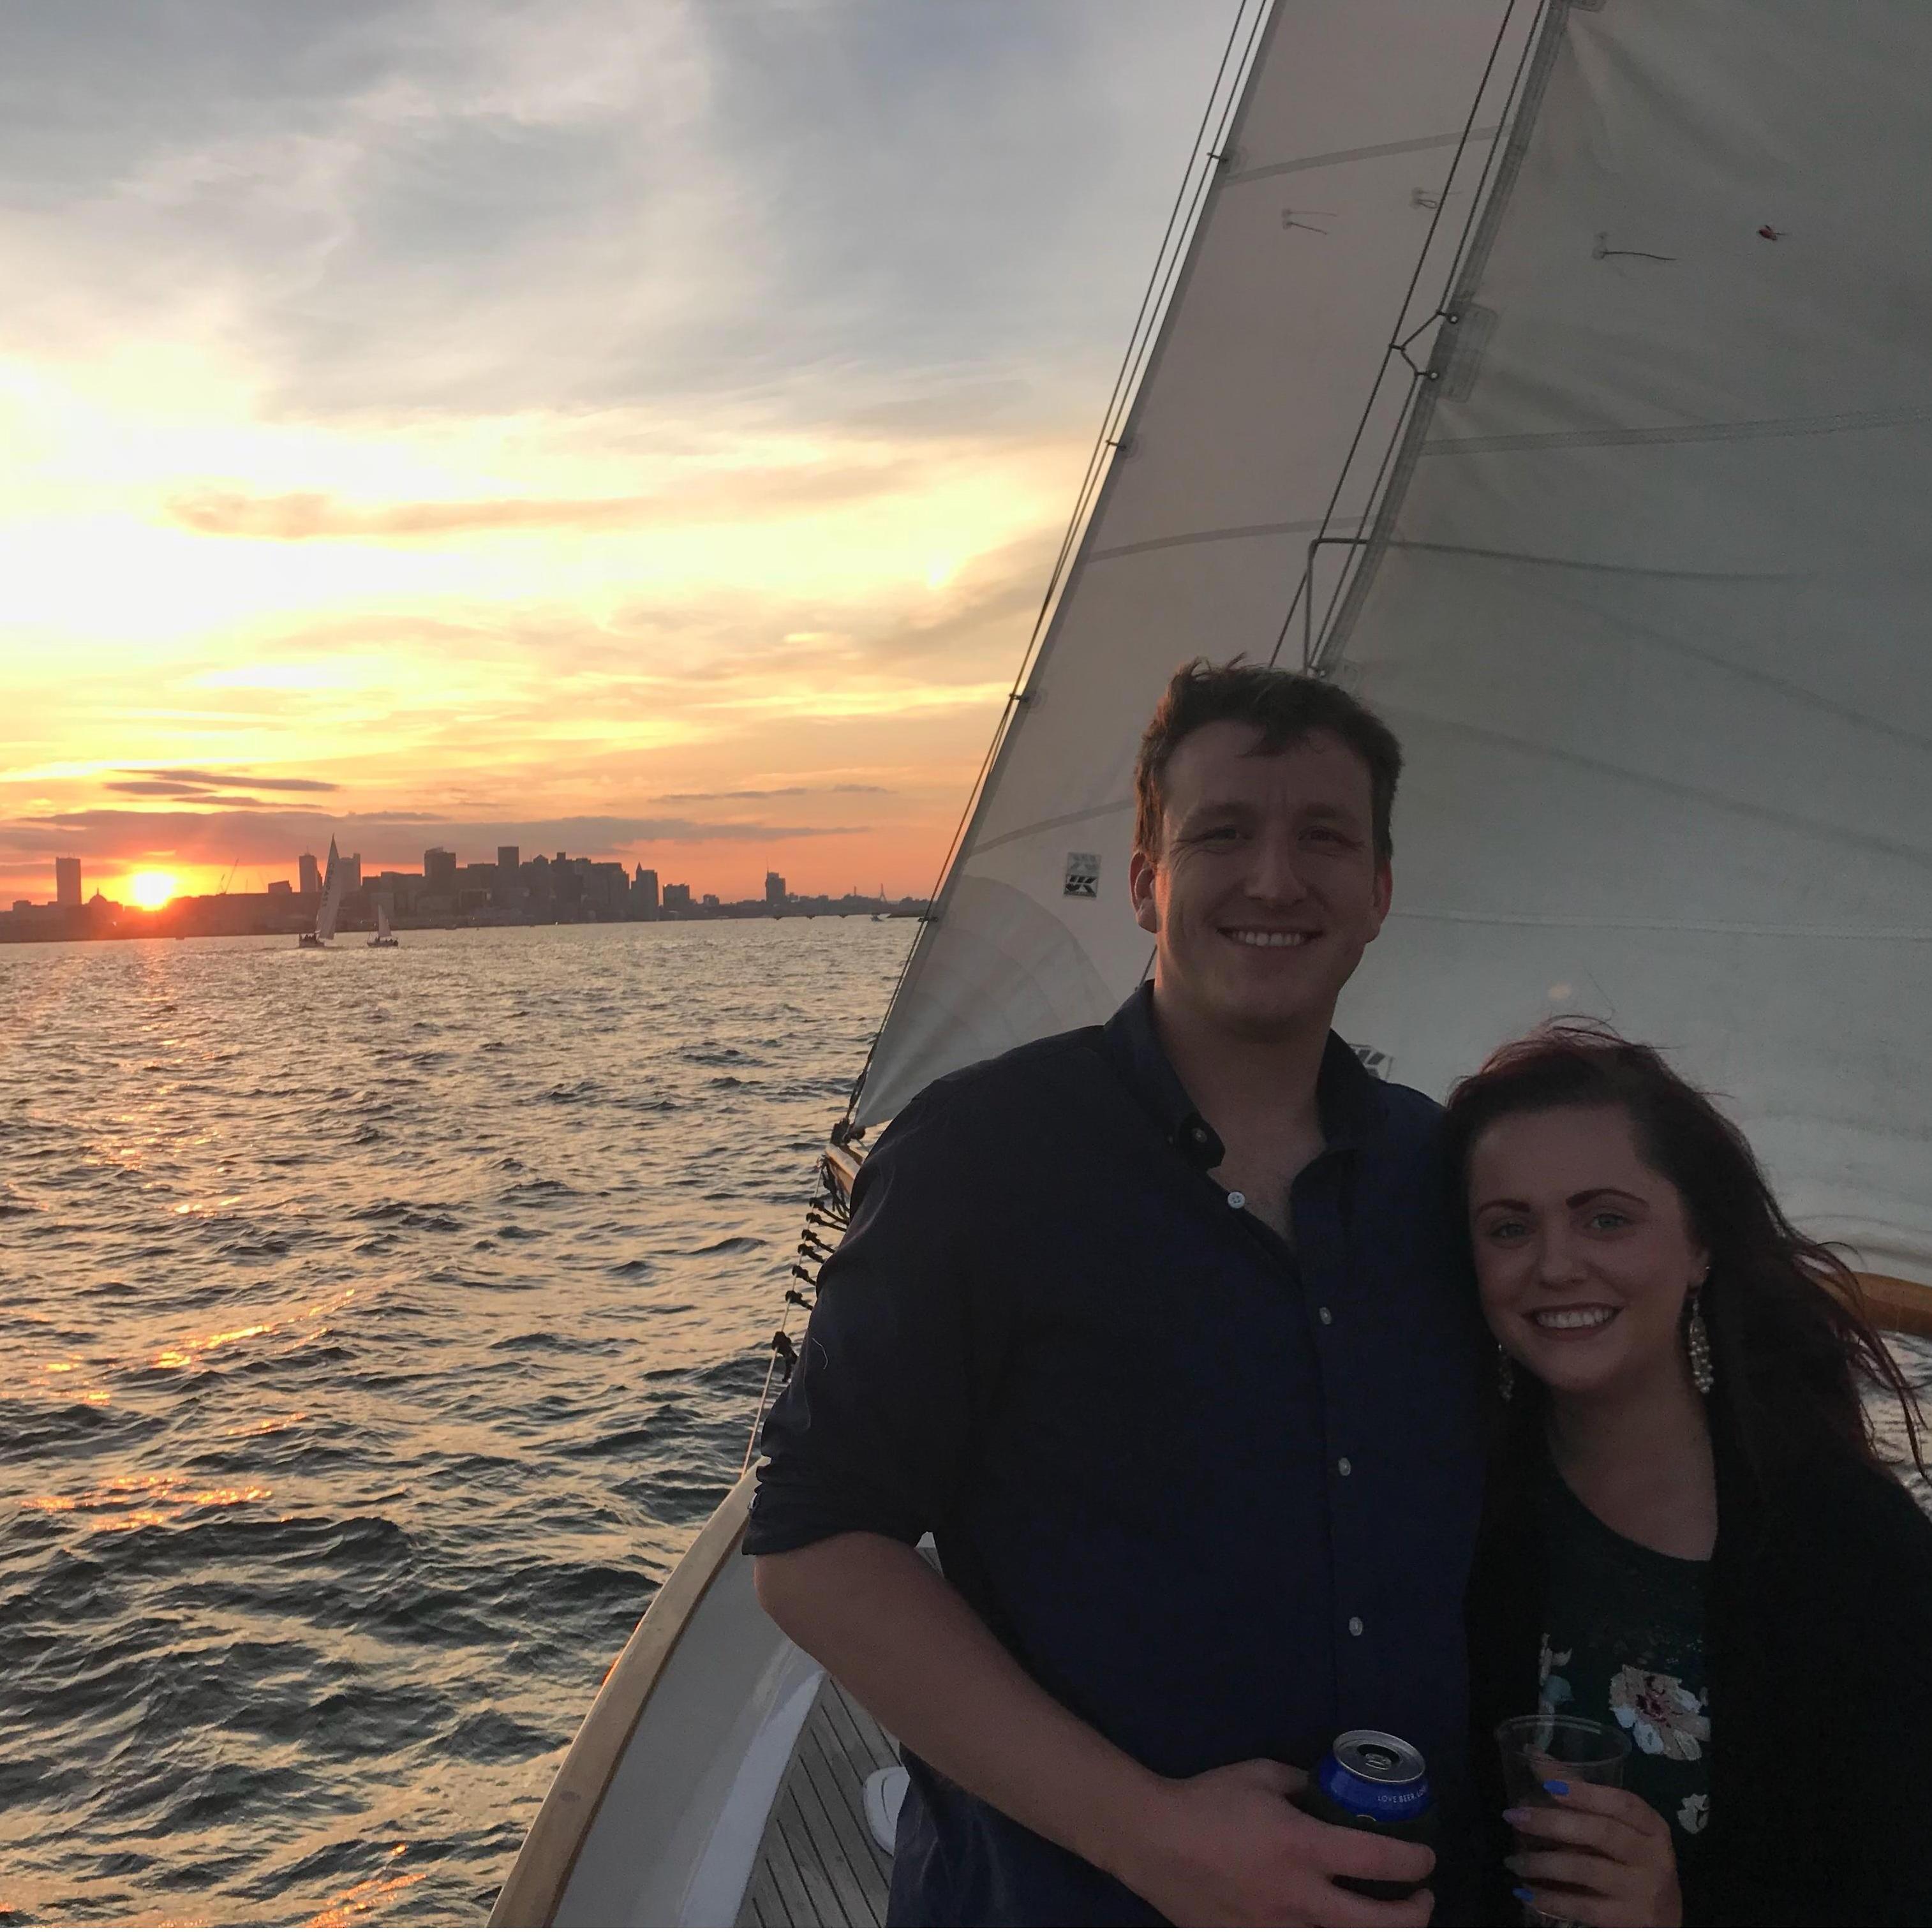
{"points": [[392, 837], [780, 791], [196, 794], [178, 782]]}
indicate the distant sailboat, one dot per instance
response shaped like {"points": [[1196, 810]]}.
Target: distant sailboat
{"points": [[384, 937], [332, 882]]}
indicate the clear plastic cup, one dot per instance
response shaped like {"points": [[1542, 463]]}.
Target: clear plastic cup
{"points": [[1544, 1749]]}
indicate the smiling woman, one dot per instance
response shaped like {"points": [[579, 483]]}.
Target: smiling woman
{"points": [[149, 890]]}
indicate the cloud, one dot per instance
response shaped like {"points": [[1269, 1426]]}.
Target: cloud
{"points": [[411, 204], [729, 495], [777, 791], [393, 837], [260, 784], [208, 787]]}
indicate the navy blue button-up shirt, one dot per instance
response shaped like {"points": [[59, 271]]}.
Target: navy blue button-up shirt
{"points": [[1217, 1494]]}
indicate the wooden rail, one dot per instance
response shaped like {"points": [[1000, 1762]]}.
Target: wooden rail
{"points": [[1904, 1306]]}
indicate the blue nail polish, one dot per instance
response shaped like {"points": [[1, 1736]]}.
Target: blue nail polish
{"points": [[1523, 1892], [1556, 1787]]}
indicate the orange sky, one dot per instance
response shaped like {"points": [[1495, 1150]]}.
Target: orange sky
{"points": [[641, 429]]}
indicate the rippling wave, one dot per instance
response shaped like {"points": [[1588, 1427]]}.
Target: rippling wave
{"points": [[380, 1328]]}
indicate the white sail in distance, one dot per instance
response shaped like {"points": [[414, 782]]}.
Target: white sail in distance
{"points": [[1640, 573], [331, 911]]}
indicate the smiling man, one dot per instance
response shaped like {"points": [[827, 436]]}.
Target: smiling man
{"points": [[1156, 1327]]}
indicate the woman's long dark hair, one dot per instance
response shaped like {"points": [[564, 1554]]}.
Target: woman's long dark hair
{"points": [[1791, 1343]]}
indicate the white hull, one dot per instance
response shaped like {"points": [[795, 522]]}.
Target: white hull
{"points": [[657, 1814]]}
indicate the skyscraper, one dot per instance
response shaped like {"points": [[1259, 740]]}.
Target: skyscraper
{"points": [[644, 891], [352, 873], [66, 882], [311, 874], [509, 858], [775, 890], [438, 871]]}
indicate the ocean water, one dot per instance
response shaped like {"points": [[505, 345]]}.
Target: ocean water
{"points": [[376, 1329]]}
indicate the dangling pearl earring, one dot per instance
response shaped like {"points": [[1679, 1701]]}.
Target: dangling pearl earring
{"points": [[1505, 1373], [1697, 1342]]}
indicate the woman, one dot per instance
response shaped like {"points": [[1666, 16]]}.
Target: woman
{"points": [[1690, 1533]]}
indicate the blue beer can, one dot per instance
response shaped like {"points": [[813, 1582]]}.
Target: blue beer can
{"points": [[1373, 1781]]}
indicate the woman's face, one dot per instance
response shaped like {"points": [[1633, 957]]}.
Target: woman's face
{"points": [[1584, 1254]]}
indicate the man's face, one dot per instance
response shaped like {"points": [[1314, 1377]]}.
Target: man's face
{"points": [[1267, 886]]}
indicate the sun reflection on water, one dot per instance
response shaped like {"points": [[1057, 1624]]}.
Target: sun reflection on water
{"points": [[181, 1355], [364, 1897], [162, 1498]]}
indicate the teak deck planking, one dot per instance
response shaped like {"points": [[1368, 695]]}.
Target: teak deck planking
{"points": [[818, 1864]]}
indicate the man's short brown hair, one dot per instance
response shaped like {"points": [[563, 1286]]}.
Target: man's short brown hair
{"points": [[1285, 707]]}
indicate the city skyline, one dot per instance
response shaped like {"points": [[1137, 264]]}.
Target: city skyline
{"points": [[543, 887], [632, 430]]}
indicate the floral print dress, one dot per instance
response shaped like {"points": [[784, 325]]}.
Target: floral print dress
{"points": [[1624, 1643]]}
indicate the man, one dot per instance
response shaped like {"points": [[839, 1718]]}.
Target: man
{"points": [[1156, 1327]]}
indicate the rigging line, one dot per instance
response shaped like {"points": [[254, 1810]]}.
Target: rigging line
{"points": [[1345, 575], [1358, 557], [757, 1420], [1179, 222], [1196, 179], [1528, 88], [1458, 258], [1168, 262], [1406, 415], [1306, 587]]}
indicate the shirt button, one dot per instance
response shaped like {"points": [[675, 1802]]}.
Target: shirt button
{"points": [[1346, 1467], [1238, 1199], [1326, 1317], [1354, 1626]]}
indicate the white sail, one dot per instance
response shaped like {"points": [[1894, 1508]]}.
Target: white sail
{"points": [[381, 919], [332, 882], [1645, 588]]}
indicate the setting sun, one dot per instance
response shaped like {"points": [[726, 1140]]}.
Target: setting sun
{"points": [[148, 890]]}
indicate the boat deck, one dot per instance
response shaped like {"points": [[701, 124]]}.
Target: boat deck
{"points": [[818, 1864]]}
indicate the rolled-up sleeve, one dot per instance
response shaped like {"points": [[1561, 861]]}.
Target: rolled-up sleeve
{"points": [[872, 1432]]}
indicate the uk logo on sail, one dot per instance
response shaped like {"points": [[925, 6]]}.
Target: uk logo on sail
{"points": [[1083, 875]]}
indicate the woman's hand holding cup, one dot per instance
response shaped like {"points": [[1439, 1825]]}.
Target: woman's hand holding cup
{"points": [[1602, 1857]]}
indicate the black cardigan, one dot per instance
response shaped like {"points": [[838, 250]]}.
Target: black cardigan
{"points": [[1819, 1644]]}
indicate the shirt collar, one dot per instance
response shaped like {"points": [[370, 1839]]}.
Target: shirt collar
{"points": [[1345, 1091]]}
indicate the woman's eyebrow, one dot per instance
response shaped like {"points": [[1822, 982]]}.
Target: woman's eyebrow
{"points": [[1578, 1200]]}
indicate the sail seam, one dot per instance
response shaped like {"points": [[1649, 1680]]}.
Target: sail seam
{"points": [[1422, 145], [1232, 533], [1850, 421], [1055, 824], [1648, 572], [1704, 795], [1722, 928]]}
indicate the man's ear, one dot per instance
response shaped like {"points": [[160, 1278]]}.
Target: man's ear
{"points": [[1384, 892], [1141, 870]]}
